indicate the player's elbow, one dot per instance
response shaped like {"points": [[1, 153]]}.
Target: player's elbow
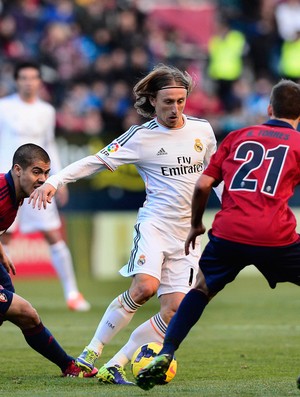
{"points": [[206, 182]]}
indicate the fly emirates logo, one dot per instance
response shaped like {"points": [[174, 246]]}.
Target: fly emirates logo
{"points": [[184, 167]]}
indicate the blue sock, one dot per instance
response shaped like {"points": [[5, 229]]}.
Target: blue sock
{"points": [[188, 313], [42, 341]]}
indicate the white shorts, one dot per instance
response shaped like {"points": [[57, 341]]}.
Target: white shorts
{"points": [[162, 256], [31, 220]]}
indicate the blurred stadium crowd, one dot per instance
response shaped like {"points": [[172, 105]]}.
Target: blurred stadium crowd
{"points": [[93, 51]]}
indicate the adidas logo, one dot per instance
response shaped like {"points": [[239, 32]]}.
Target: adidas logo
{"points": [[161, 152]]}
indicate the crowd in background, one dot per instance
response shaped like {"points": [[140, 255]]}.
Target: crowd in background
{"points": [[93, 51]]}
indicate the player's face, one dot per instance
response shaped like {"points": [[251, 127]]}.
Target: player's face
{"points": [[169, 105], [31, 177], [28, 83]]}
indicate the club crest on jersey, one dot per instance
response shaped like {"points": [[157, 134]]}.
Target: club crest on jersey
{"points": [[141, 261], [198, 146], [3, 297], [113, 147]]}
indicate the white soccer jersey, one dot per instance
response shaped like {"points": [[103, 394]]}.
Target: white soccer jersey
{"points": [[169, 162], [22, 123]]}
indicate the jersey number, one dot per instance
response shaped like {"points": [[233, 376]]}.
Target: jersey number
{"points": [[254, 155]]}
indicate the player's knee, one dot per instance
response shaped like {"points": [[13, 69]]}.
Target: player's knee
{"points": [[167, 314], [202, 287], [143, 292], [28, 317], [143, 287]]}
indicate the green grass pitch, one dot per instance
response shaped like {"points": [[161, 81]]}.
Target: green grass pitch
{"points": [[246, 343]]}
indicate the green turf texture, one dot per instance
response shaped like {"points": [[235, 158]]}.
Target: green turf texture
{"points": [[246, 343]]}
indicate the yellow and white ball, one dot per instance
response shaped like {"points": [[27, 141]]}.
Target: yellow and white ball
{"points": [[145, 354]]}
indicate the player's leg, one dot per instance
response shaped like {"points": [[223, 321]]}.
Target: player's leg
{"points": [[113, 371], [187, 315], [145, 267], [118, 315], [48, 222], [220, 263], [153, 330], [280, 264], [20, 312], [178, 276], [63, 264], [23, 315]]}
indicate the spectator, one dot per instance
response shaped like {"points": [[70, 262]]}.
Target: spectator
{"points": [[11, 46], [226, 50], [289, 66], [287, 14]]}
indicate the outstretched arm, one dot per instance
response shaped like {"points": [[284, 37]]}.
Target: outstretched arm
{"points": [[200, 197], [79, 169]]}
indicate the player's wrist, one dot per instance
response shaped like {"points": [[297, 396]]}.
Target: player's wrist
{"points": [[53, 181]]}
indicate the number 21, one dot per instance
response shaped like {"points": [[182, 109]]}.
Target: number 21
{"points": [[254, 155]]}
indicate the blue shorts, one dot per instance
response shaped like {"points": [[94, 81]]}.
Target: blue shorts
{"points": [[6, 292], [222, 260]]}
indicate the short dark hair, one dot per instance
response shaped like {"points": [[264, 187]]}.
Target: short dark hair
{"points": [[285, 100], [24, 65], [27, 154]]}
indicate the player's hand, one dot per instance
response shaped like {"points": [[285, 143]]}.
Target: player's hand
{"points": [[42, 196], [192, 236], [7, 262], [9, 266]]}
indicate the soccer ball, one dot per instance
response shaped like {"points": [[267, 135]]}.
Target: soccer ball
{"points": [[145, 354]]}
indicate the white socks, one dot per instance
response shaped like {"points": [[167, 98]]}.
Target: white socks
{"points": [[118, 314], [153, 330], [63, 264]]}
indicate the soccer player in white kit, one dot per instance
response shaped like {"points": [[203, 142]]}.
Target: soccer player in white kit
{"points": [[169, 152], [25, 118]]}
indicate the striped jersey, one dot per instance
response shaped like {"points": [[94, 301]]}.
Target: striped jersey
{"points": [[169, 162]]}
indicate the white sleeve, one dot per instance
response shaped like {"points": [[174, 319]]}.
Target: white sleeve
{"points": [[110, 157], [79, 169]]}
